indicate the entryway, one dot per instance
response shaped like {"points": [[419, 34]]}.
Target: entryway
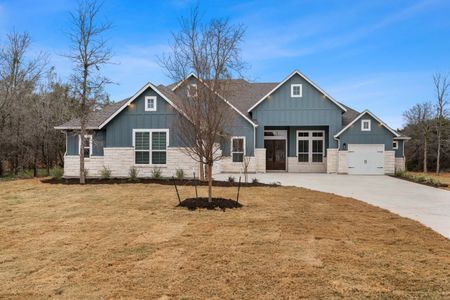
{"points": [[275, 142]]}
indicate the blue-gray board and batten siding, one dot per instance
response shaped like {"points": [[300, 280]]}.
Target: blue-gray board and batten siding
{"points": [[119, 131], [378, 134], [312, 110]]}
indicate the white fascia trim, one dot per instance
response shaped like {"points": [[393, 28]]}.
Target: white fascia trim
{"points": [[373, 116], [148, 85], [182, 81], [73, 128], [305, 78]]}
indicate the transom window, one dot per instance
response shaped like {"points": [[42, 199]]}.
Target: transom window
{"points": [[365, 125], [87, 145], [296, 90], [310, 146], [150, 146], [395, 145], [238, 148], [150, 103]]}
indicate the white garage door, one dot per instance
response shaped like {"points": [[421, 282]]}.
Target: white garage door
{"points": [[366, 159]]}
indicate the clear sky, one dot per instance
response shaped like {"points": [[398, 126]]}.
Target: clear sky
{"points": [[379, 55]]}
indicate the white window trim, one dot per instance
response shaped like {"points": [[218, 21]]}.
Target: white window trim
{"points": [[396, 145], [292, 90], [80, 142], [192, 85], [231, 148], [150, 131], [147, 99], [368, 121], [310, 138]]}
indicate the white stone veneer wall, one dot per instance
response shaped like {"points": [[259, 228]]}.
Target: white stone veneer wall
{"points": [[228, 166], [297, 167], [119, 161], [400, 164], [332, 160], [260, 154]]}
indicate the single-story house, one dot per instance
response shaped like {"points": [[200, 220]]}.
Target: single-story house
{"points": [[287, 126]]}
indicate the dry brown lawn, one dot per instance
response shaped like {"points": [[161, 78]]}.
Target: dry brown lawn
{"points": [[130, 241], [443, 177]]}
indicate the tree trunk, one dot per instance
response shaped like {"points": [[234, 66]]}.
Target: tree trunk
{"points": [[210, 182], [1, 167], [425, 155], [438, 156], [35, 169], [81, 144], [202, 172]]}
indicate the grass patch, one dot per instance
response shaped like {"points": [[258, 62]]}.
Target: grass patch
{"points": [[433, 181], [131, 241]]}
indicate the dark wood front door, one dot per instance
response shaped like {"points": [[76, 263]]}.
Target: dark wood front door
{"points": [[275, 154]]}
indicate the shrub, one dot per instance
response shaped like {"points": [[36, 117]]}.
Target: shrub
{"points": [[255, 180], [57, 172], [105, 173], [156, 173], [133, 173], [179, 174], [230, 179]]}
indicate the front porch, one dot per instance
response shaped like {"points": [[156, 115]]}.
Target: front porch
{"points": [[297, 149]]}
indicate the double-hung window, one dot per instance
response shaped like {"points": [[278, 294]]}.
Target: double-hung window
{"points": [[150, 146], [310, 146], [87, 145], [238, 148]]}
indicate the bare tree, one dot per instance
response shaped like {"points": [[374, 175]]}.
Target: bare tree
{"points": [[245, 164], [441, 85], [19, 76], [210, 51], [420, 116], [89, 54]]}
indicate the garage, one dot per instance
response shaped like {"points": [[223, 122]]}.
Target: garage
{"points": [[366, 159]]}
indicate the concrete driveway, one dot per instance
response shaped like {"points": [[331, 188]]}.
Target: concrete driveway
{"points": [[428, 205]]}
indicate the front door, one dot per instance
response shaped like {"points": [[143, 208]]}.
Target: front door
{"points": [[275, 154]]}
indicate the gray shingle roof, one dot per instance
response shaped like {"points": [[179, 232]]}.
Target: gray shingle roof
{"points": [[96, 118], [242, 95]]}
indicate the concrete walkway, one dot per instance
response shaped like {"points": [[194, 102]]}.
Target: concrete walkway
{"points": [[428, 205]]}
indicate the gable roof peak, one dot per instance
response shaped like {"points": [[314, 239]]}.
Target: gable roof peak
{"points": [[297, 72]]}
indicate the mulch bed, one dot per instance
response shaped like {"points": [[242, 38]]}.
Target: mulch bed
{"points": [[163, 181], [438, 185], [197, 203]]}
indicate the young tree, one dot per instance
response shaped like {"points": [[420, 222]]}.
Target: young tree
{"points": [[441, 85], [210, 51], [420, 116], [89, 54]]}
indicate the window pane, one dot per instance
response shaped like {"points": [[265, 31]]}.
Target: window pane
{"points": [[86, 142], [303, 157], [87, 152], [159, 141], [141, 141], [142, 157], [317, 134], [317, 146], [150, 103], [238, 145], [303, 133], [317, 157], [303, 146], [238, 157], [159, 157]]}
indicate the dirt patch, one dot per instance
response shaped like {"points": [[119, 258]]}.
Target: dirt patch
{"points": [[111, 241], [163, 181], [198, 203]]}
